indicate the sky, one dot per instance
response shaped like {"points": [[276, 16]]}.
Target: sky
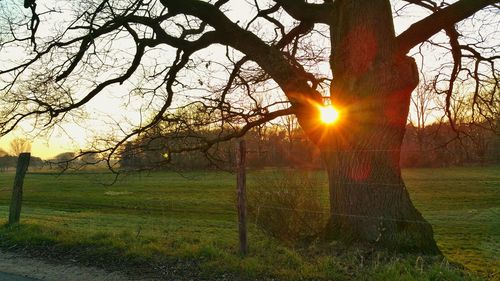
{"points": [[75, 135]]}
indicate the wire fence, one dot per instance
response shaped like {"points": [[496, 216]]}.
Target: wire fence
{"points": [[139, 210], [226, 209]]}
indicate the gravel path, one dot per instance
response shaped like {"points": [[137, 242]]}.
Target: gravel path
{"points": [[16, 266]]}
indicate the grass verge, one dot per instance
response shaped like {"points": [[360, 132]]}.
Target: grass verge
{"points": [[173, 226]]}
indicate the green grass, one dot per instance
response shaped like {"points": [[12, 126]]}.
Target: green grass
{"points": [[463, 205], [189, 221]]}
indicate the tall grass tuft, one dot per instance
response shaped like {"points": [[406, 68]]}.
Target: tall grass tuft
{"points": [[287, 204]]}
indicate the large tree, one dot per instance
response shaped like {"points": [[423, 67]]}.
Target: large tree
{"points": [[73, 52]]}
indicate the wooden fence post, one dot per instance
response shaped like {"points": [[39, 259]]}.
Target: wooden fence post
{"points": [[241, 186], [17, 191]]}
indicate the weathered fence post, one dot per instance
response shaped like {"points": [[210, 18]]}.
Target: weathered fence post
{"points": [[17, 191], [241, 189]]}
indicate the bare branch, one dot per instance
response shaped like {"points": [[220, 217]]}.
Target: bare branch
{"points": [[425, 28], [312, 13]]}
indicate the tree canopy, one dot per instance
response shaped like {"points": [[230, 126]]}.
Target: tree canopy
{"points": [[229, 56]]}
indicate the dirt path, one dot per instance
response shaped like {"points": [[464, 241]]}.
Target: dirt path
{"points": [[48, 271]]}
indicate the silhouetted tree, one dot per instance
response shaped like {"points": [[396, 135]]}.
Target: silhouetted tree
{"points": [[167, 50], [19, 145]]}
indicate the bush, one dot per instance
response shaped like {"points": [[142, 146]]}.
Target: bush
{"points": [[287, 204]]}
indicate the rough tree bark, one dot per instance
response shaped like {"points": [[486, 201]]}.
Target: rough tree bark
{"points": [[372, 87]]}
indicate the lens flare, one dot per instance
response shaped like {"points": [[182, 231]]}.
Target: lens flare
{"points": [[329, 114]]}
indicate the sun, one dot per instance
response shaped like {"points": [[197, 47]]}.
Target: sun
{"points": [[328, 114]]}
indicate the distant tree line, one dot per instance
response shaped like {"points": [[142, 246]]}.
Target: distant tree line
{"points": [[8, 161], [439, 145], [165, 147], [59, 162], [283, 145], [436, 145]]}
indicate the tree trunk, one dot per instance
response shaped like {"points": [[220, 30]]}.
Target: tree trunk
{"points": [[372, 85], [369, 200]]}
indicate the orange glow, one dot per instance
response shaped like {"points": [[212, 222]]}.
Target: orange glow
{"points": [[328, 114]]}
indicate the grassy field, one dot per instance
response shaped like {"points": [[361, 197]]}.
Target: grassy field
{"points": [[163, 221]]}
